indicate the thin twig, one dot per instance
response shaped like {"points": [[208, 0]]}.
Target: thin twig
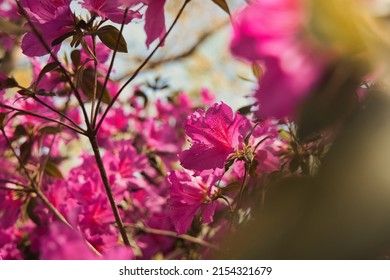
{"points": [[95, 79], [185, 54], [94, 118], [241, 192], [42, 117], [63, 70], [106, 183], [57, 112], [141, 66], [36, 189], [174, 235]]}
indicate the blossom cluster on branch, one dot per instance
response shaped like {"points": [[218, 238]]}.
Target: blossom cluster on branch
{"points": [[165, 178]]}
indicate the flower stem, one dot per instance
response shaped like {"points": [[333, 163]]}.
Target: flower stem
{"points": [[106, 183]]}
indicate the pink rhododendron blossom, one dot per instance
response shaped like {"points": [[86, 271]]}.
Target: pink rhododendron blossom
{"points": [[190, 195], [9, 240], [267, 28], [281, 91], [271, 31], [52, 18], [9, 208], [151, 244], [110, 9], [154, 21], [215, 134], [60, 242]]}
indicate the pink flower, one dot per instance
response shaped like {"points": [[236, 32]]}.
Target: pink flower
{"points": [[10, 206], [63, 243], [190, 195], [267, 28], [281, 90], [154, 21], [154, 18], [52, 18], [207, 96], [215, 135], [273, 31], [9, 240], [109, 9]]}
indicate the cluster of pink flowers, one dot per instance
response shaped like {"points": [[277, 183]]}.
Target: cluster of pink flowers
{"points": [[272, 33], [175, 168]]}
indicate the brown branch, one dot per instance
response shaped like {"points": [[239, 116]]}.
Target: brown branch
{"points": [[110, 195], [94, 117], [41, 117], [174, 235], [136, 72], [185, 54], [63, 70]]}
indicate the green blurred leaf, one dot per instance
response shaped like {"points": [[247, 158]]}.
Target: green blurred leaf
{"points": [[52, 170], [75, 56], [25, 92], [25, 151], [245, 110], [63, 37], [87, 85], [8, 83], [109, 34]]}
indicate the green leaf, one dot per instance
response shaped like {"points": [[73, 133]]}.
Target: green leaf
{"points": [[8, 83], [245, 110], [25, 151], [109, 34], [52, 170], [75, 56], [60, 39], [223, 5], [87, 85], [25, 92]]}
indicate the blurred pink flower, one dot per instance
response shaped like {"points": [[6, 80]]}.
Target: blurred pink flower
{"points": [[273, 32], [154, 21], [190, 195], [9, 240], [215, 134], [60, 242], [207, 96]]}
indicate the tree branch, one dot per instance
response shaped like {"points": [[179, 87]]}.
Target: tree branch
{"points": [[142, 65]]}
